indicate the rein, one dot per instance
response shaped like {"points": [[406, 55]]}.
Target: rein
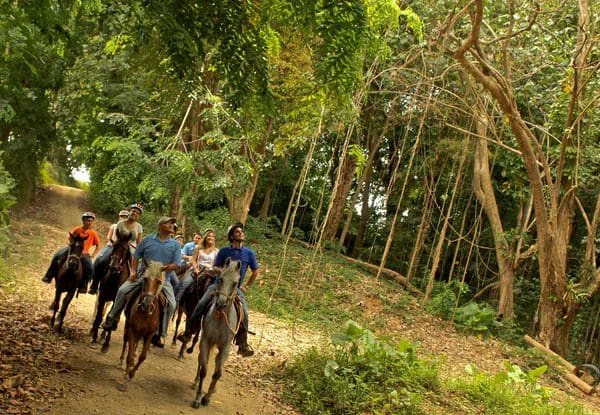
{"points": [[229, 303]]}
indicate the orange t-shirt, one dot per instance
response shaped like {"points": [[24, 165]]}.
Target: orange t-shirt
{"points": [[90, 241]]}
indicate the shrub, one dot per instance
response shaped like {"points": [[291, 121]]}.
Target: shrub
{"points": [[363, 374]]}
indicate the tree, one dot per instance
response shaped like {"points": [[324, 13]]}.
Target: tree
{"points": [[554, 190]]}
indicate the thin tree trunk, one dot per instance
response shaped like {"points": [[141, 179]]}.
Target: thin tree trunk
{"points": [[364, 215], [415, 256], [442, 236], [367, 171], [484, 191], [340, 195]]}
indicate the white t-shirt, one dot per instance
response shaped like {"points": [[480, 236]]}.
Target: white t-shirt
{"points": [[206, 260]]}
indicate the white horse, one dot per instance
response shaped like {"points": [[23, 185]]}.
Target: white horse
{"points": [[219, 328]]}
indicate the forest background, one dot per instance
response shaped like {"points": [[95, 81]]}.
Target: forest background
{"points": [[456, 143]]}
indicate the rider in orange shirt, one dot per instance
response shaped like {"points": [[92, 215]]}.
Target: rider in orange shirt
{"points": [[90, 245]]}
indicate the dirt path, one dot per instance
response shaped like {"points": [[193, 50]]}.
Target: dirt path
{"points": [[86, 383]]}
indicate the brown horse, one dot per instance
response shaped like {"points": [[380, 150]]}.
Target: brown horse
{"points": [[219, 327], [113, 277], [188, 302], [68, 280], [142, 318]]}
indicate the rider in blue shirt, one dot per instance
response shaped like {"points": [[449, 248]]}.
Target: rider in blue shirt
{"points": [[236, 251], [156, 247]]}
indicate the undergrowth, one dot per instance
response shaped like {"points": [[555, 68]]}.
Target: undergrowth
{"points": [[361, 373]]}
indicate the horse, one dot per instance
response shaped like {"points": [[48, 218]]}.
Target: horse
{"points": [[68, 279], [142, 319], [188, 302], [115, 274], [219, 327]]}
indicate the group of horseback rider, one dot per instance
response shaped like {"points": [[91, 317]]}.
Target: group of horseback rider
{"points": [[163, 247]]}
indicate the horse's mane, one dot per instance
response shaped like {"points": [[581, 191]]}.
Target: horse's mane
{"points": [[123, 231], [153, 270]]}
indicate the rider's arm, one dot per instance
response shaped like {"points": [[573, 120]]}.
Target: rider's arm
{"points": [[109, 235], [252, 277], [195, 258], [133, 270]]}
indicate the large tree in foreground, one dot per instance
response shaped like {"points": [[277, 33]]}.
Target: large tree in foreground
{"points": [[552, 164]]}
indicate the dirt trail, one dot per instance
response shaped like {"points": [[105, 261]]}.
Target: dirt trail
{"points": [[87, 382]]}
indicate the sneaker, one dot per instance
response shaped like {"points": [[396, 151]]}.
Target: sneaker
{"points": [[245, 350], [109, 324], [157, 342]]}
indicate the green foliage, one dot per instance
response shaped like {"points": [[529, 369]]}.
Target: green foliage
{"points": [[444, 297], [476, 318], [364, 374], [7, 184], [512, 391]]}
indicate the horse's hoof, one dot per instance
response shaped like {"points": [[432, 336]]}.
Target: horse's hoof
{"points": [[180, 358], [195, 404], [122, 387], [104, 348], [205, 401], [189, 350]]}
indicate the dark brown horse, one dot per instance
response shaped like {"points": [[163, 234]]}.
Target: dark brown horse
{"points": [[188, 302], [142, 318], [113, 277], [68, 280]]}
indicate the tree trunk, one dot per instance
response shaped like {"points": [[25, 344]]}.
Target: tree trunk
{"points": [[340, 194], [364, 215], [484, 191], [415, 255], [367, 172], [266, 204], [442, 236]]}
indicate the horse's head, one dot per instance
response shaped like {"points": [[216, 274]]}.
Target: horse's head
{"points": [[122, 233], [227, 284], [120, 249], [75, 251], [153, 282]]}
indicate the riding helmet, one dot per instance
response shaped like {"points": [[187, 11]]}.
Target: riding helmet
{"points": [[137, 206], [232, 229], [90, 215]]}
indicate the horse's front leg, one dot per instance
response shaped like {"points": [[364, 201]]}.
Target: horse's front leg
{"points": [[63, 310], [54, 306], [177, 322], [106, 334], [142, 357], [194, 341], [219, 362], [97, 320], [125, 344], [201, 374]]}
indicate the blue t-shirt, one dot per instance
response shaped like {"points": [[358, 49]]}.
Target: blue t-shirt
{"points": [[153, 249], [243, 254], [188, 248]]}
